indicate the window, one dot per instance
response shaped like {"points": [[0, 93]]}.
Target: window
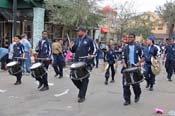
{"points": [[160, 28]]}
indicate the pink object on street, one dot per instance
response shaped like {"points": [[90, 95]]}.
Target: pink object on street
{"points": [[68, 55], [159, 111]]}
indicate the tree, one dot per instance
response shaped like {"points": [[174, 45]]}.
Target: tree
{"points": [[71, 13], [167, 13], [129, 21]]}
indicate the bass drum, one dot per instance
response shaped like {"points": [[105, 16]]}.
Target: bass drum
{"points": [[133, 75], [79, 71], [14, 68], [37, 70]]}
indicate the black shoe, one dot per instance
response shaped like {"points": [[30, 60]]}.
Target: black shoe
{"points": [[60, 77], [80, 100], [169, 80], [112, 81], [44, 88], [126, 103], [17, 83], [147, 86], [56, 75], [137, 99], [40, 85], [151, 89], [106, 82]]}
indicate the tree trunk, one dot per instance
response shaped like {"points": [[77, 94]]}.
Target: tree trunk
{"points": [[171, 30]]}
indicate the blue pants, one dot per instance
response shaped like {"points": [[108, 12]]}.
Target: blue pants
{"points": [[82, 86], [27, 62], [169, 65], [58, 63], [149, 76], [107, 74]]}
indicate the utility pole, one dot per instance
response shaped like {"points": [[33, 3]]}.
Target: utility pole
{"points": [[14, 18]]}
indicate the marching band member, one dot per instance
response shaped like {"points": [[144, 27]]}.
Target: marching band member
{"points": [[83, 46], [169, 54], [18, 55], [110, 57], [130, 57], [149, 51], [44, 53], [58, 57]]}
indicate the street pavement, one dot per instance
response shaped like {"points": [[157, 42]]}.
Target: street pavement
{"points": [[101, 99]]}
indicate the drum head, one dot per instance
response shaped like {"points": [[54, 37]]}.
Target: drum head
{"points": [[12, 63], [77, 64], [132, 69], [36, 65]]}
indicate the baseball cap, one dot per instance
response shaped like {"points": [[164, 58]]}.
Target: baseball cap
{"points": [[151, 38], [81, 28]]}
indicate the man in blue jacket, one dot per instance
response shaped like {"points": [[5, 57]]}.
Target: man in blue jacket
{"points": [[169, 54], [82, 46], [44, 53], [149, 51], [130, 58]]}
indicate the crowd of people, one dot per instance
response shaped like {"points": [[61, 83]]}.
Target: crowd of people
{"points": [[134, 57]]}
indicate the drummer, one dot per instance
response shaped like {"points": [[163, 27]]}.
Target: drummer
{"points": [[82, 46], [130, 57], [44, 56], [18, 55]]}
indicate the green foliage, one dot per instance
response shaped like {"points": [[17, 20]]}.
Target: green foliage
{"points": [[129, 22], [167, 12], [71, 12]]}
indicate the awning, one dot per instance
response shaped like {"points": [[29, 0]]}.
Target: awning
{"points": [[125, 39], [104, 30]]}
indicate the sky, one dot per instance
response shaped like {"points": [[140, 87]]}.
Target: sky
{"points": [[139, 5]]}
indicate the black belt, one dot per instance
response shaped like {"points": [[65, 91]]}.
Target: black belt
{"points": [[57, 54]]}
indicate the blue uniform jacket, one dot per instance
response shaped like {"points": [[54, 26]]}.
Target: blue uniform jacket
{"points": [[18, 50], [83, 47], [137, 54], [44, 50], [111, 56], [149, 53], [170, 52]]}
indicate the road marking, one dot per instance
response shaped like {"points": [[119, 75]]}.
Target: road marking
{"points": [[51, 84], [69, 107], [2, 91], [61, 94], [16, 97]]}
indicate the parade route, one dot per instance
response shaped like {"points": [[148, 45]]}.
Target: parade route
{"points": [[101, 99]]}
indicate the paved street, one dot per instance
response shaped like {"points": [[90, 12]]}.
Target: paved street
{"points": [[101, 100]]}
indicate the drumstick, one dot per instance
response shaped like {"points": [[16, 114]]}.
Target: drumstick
{"points": [[41, 59], [87, 56], [68, 38], [20, 58]]}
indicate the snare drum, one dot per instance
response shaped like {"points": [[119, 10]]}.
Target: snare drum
{"points": [[38, 70], [79, 71], [14, 68], [133, 75]]}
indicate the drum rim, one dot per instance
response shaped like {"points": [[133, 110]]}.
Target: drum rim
{"points": [[10, 63], [75, 65], [33, 65], [129, 69]]}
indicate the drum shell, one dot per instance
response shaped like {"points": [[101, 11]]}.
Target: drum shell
{"points": [[78, 73], [38, 72], [133, 77], [14, 69]]}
